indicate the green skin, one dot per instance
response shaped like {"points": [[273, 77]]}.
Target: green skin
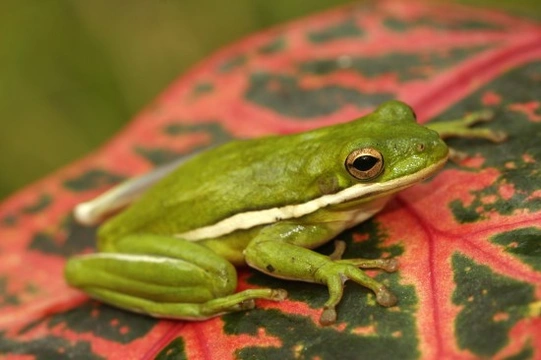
{"points": [[166, 257]]}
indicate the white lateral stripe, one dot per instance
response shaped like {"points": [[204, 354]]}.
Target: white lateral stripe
{"points": [[255, 218], [92, 212], [132, 258]]}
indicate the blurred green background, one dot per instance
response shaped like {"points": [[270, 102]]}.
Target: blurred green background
{"points": [[72, 73]]}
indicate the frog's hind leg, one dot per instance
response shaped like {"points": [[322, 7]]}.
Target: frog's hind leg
{"points": [[163, 277]]}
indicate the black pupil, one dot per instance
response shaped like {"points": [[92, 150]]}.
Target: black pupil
{"points": [[365, 162]]}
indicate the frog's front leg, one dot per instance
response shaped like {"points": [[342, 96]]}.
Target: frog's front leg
{"points": [[462, 127], [279, 251], [163, 277]]}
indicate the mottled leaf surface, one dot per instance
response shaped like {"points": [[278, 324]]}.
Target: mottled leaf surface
{"points": [[468, 241]]}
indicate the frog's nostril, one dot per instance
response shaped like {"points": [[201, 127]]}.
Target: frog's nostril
{"points": [[420, 147]]}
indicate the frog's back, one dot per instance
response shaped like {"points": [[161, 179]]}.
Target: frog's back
{"points": [[240, 176]]}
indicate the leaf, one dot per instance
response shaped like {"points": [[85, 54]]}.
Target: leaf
{"points": [[468, 241]]}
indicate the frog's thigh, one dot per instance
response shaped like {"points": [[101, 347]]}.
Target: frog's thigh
{"points": [[162, 277]]}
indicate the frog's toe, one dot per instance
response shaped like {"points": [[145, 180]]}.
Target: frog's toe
{"points": [[385, 298], [328, 316], [389, 265], [499, 136], [278, 294], [245, 305], [482, 115]]}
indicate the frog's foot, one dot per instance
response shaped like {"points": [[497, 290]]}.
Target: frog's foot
{"points": [[241, 301], [383, 295], [463, 127], [336, 273], [244, 300], [341, 270]]}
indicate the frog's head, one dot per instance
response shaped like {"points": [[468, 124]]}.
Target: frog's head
{"points": [[386, 151]]}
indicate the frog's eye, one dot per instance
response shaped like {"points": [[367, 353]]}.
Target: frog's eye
{"points": [[364, 164]]}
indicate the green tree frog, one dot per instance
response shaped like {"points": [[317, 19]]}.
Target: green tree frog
{"points": [[263, 202]]}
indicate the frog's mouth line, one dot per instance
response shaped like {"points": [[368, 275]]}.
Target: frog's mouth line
{"points": [[250, 219]]}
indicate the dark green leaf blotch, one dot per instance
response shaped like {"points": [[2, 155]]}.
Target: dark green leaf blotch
{"points": [[92, 179], [343, 30], [48, 347], [174, 350], [400, 25], [273, 46], [106, 322], [284, 95], [523, 243], [41, 204], [406, 65], [491, 304]]}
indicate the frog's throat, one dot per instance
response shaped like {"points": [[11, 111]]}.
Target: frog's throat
{"points": [[250, 219]]}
